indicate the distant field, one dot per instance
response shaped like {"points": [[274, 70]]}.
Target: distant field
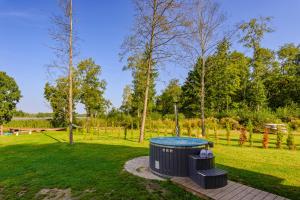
{"points": [[93, 167]]}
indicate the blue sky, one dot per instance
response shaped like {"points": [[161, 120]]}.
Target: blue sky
{"points": [[102, 26]]}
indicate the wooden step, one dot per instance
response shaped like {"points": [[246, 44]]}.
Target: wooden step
{"points": [[211, 178], [198, 163]]}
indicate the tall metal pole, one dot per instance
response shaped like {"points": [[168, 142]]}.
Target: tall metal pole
{"points": [[177, 128]]}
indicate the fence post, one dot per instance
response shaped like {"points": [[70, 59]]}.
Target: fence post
{"points": [[216, 134], [1, 129], [125, 132], [131, 129]]}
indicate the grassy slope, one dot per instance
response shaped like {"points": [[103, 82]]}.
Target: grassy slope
{"points": [[32, 162]]}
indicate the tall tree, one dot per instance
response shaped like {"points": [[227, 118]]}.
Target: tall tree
{"points": [[191, 92], [157, 26], [138, 67], [62, 33], [226, 80], [57, 96], [91, 88], [225, 71], [283, 85], [240, 64], [206, 21], [172, 93], [289, 56], [127, 101], [9, 97], [253, 32]]}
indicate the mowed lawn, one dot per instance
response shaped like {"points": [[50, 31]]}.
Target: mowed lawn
{"points": [[93, 167]]}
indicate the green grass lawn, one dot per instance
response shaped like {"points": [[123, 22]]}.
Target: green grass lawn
{"points": [[93, 167]]}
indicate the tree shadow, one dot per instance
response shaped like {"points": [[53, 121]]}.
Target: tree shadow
{"points": [[56, 139], [99, 168], [262, 181], [92, 171]]}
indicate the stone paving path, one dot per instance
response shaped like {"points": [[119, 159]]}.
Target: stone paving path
{"points": [[233, 191], [140, 167]]}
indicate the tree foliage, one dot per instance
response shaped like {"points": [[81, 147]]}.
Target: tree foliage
{"points": [[165, 101], [91, 88], [227, 77], [138, 67], [261, 61], [283, 83], [127, 101], [88, 89], [9, 97], [57, 96]]}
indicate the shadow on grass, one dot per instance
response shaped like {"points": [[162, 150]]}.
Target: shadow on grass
{"points": [[26, 169], [262, 181], [57, 140], [92, 171]]}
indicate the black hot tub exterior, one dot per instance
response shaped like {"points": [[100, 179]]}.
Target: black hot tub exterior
{"points": [[169, 160]]}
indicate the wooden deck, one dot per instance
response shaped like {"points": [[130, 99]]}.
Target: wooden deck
{"points": [[232, 191]]}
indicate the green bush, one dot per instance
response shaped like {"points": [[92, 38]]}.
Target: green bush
{"points": [[229, 122], [228, 128], [211, 122], [279, 138], [155, 116], [295, 124], [288, 113], [172, 116], [30, 123], [290, 141], [258, 118], [250, 130]]}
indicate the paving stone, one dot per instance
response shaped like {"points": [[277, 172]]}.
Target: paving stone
{"points": [[140, 167]]}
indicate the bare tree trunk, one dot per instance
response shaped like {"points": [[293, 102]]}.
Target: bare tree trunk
{"points": [[70, 77], [205, 21], [142, 131], [138, 121], [203, 98]]}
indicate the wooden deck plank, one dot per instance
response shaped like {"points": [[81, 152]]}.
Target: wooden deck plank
{"points": [[242, 194], [195, 192], [232, 191], [212, 192], [252, 194], [280, 198], [261, 195], [226, 192], [270, 196]]}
